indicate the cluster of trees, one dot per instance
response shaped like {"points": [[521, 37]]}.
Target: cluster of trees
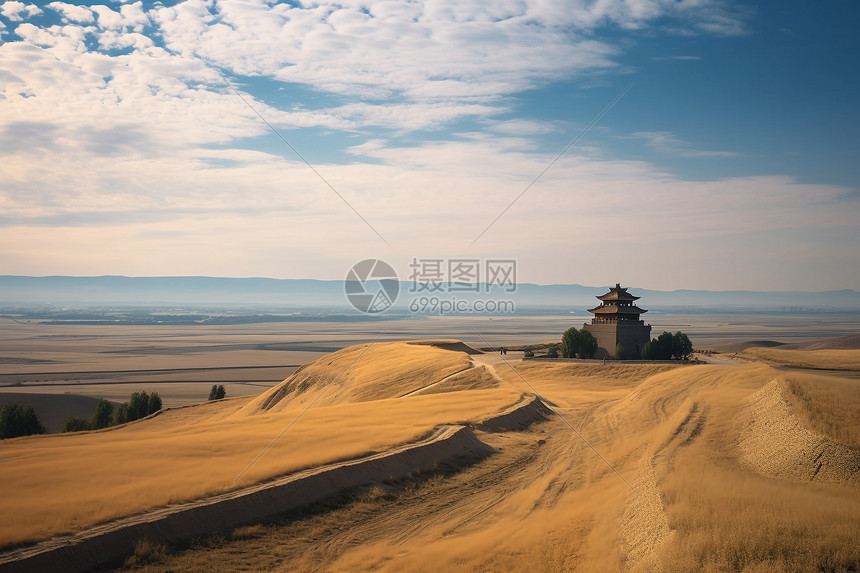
{"points": [[101, 419], [217, 392], [577, 344], [582, 344], [668, 346], [17, 420], [139, 405], [574, 344]]}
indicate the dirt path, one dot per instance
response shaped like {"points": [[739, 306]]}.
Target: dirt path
{"points": [[493, 360], [488, 360], [436, 383]]}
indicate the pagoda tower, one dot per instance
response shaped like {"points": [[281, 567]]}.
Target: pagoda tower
{"points": [[616, 321]]}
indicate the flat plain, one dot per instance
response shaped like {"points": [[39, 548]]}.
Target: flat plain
{"points": [[182, 362]]}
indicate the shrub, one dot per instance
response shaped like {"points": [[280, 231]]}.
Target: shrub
{"points": [[217, 392], [103, 418], [17, 420], [146, 552], [552, 351], [74, 424], [619, 351], [248, 532]]}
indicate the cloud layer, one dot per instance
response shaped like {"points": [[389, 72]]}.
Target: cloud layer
{"points": [[131, 142]]}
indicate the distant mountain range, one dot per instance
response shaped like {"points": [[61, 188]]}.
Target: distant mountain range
{"points": [[304, 293]]}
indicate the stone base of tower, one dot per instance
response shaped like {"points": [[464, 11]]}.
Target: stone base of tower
{"points": [[631, 336]]}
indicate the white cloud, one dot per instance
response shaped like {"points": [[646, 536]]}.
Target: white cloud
{"points": [[108, 18], [72, 12], [667, 143], [131, 16], [17, 11], [403, 67], [521, 127], [431, 199], [134, 17], [457, 52], [166, 98], [423, 51], [677, 58], [141, 144]]}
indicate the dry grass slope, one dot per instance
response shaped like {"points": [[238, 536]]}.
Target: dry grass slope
{"points": [[829, 359], [774, 442], [732, 468], [827, 405], [364, 373], [198, 451]]}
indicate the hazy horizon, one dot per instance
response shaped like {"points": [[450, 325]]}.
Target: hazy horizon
{"points": [[325, 297]]}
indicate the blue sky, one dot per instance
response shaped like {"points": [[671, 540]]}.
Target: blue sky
{"points": [[731, 162]]}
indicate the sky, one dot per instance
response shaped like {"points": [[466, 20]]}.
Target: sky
{"points": [[714, 144]]}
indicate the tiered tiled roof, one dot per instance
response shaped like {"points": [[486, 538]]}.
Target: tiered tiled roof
{"points": [[617, 303], [618, 293]]}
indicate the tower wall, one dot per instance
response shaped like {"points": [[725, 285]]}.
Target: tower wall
{"points": [[631, 336]]}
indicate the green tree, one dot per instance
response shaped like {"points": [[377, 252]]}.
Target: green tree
{"points": [[153, 404], [578, 343], [668, 346], [570, 342], [587, 344], [665, 346], [552, 351], [139, 405], [17, 420], [103, 415], [74, 424], [647, 352], [122, 413], [217, 392], [619, 351], [682, 346]]}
